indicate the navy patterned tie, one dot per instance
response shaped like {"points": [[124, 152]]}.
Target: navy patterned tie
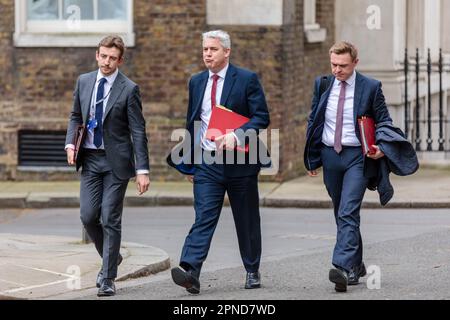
{"points": [[98, 132]]}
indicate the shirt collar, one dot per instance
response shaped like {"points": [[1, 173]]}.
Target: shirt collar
{"points": [[350, 81], [222, 73], [110, 79]]}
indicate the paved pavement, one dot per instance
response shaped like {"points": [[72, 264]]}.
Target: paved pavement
{"points": [[43, 266], [428, 188], [43, 260]]}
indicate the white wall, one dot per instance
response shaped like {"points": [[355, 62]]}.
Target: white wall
{"points": [[382, 47], [245, 12], [445, 25]]}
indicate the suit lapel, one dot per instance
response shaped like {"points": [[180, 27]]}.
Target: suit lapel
{"points": [[86, 96], [359, 89], [116, 90], [199, 91], [324, 98], [230, 79]]}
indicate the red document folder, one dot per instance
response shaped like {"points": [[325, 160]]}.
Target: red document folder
{"points": [[224, 120], [367, 130]]}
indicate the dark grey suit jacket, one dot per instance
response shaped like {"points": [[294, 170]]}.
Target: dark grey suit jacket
{"points": [[124, 135]]}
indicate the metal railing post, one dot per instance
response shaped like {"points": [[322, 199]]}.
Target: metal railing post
{"points": [[406, 64], [441, 104], [429, 136], [418, 140]]}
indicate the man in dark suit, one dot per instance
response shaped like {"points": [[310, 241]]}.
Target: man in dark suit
{"points": [[239, 90], [334, 142], [114, 150]]}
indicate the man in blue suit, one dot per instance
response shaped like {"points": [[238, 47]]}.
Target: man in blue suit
{"points": [[240, 91], [334, 142]]}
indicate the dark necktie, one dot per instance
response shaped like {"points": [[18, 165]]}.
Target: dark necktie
{"points": [[214, 90], [340, 119], [98, 132]]}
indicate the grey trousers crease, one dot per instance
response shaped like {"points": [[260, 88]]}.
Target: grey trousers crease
{"points": [[101, 206]]}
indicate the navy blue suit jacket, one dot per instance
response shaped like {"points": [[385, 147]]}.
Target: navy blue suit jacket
{"points": [[242, 93], [368, 101], [400, 158]]}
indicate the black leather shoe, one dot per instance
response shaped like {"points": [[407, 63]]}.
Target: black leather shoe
{"points": [[186, 279], [99, 280], [356, 273], [253, 280], [340, 278], [107, 289]]}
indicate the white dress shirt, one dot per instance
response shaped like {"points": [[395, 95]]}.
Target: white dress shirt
{"points": [[348, 129], [206, 106], [89, 141]]}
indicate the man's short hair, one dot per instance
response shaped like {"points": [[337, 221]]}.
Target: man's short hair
{"points": [[113, 41], [344, 47], [221, 35]]}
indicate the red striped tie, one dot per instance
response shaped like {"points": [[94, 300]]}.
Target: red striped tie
{"points": [[214, 90]]}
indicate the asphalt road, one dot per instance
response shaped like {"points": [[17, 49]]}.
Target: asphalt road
{"points": [[409, 248]]}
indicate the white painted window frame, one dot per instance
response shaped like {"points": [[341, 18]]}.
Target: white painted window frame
{"points": [[313, 32], [57, 33]]}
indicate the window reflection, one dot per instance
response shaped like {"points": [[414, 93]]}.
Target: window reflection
{"points": [[112, 9], [86, 8], [49, 9], [43, 9]]}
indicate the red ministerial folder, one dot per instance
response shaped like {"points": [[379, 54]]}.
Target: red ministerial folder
{"points": [[367, 130], [224, 120], [78, 140]]}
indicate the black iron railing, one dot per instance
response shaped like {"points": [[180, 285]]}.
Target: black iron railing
{"points": [[415, 125]]}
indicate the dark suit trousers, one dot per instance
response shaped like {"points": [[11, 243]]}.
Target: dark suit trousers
{"points": [[101, 205], [210, 186], [345, 182]]}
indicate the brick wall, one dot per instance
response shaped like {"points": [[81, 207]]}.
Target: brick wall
{"points": [[36, 84], [167, 53], [316, 61], [287, 66], [7, 130]]}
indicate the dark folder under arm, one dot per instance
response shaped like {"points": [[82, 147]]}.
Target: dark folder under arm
{"points": [[79, 138]]}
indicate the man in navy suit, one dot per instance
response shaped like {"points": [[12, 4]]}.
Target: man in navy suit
{"points": [[334, 142], [240, 91]]}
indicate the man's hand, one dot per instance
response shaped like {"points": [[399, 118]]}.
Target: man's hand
{"points": [[227, 141], [190, 179], [142, 183], [70, 156], [377, 155], [313, 173]]}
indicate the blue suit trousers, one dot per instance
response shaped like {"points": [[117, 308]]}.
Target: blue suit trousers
{"points": [[210, 185], [345, 182]]}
